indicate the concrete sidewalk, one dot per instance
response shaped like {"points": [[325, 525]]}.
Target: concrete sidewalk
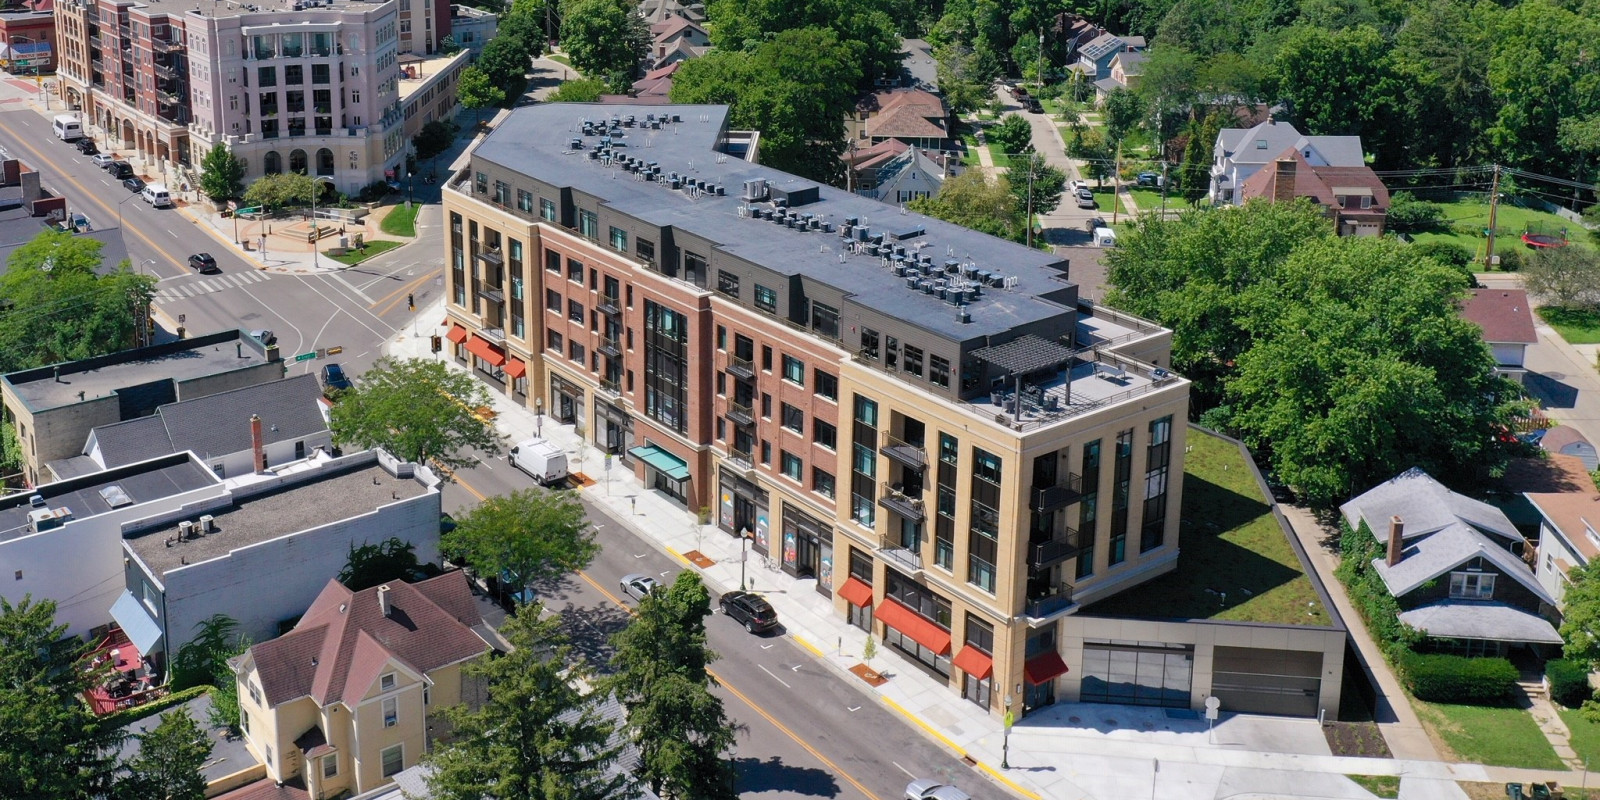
{"points": [[1066, 752]]}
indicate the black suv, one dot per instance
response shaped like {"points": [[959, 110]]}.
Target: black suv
{"points": [[120, 169], [750, 610], [203, 262], [86, 146]]}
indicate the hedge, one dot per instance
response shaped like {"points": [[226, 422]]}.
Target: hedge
{"points": [[1569, 682], [1442, 678], [120, 719]]}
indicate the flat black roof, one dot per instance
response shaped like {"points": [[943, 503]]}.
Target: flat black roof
{"points": [[58, 385], [92, 495], [535, 141]]}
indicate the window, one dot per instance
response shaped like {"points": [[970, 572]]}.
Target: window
{"points": [[266, 76], [330, 765], [825, 320], [822, 483], [619, 239], [913, 360], [645, 249], [547, 210], [552, 261], [766, 299], [827, 385], [1152, 532], [794, 370], [1366, 201], [552, 300], [1472, 585], [1088, 508], [575, 351], [869, 344], [1261, 144], [792, 468], [666, 362], [728, 283], [588, 224], [386, 682], [825, 434], [766, 406], [766, 452], [553, 341], [574, 270], [294, 75], [524, 201], [391, 712], [481, 182], [938, 371], [766, 358], [319, 73], [393, 760], [1122, 469], [794, 419]]}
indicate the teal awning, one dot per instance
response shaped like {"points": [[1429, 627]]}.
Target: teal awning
{"points": [[664, 462]]}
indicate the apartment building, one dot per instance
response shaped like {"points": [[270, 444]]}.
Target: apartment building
{"points": [[923, 419], [310, 86]]}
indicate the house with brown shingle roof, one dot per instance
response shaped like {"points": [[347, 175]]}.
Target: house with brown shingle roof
{"points": [[677, 39], [1354, 197], [1569, 533], [913, 116], [1506, 319], [353, 694]]}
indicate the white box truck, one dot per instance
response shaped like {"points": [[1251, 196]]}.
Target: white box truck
{"points": [[67, 128], [542, 460]]}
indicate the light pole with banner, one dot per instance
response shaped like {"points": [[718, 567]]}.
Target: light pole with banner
{"points": [[1005, 741]]}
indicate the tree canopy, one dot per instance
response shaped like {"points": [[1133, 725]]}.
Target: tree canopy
{"points": [[606, 39], [434, 138], [419, 410], [55, 306], [284, 189], [1012, 135], [977, 201], [1580, 615], [524, 537], [221, 174], [866, 27], [168, 764], [372, 565], [1567, 277], [478, 90]]}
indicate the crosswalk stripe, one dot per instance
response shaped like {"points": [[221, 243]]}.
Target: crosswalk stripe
{"points": [[188, 291]]}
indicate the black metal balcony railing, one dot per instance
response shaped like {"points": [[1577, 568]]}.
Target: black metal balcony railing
{"points": [[906, 505], [741, 367], [491, 255], [609, 346], [1057, 600], [608, 306], [908, 454], [741, 459], [740, 413], [893, 550], [1048, 553], [611, 387], [1068, 490]]}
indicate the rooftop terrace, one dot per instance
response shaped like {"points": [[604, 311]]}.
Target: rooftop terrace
{"points": [[292, 509], [74, 382], [416, 70]]}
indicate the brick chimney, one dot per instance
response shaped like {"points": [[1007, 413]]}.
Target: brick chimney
{"points": [[1283, 181], [383, 599], [258, 448], [1397, 546]]}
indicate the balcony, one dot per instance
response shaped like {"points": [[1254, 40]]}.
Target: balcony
{"points": [[94, 39], [165, 72], [1051, 552], [741, 367], [898, 554], [740, 413], [740, 461], [909, 455], [1045, 608], [491, 256], [908, 506], [492, 295], [609, 346], [126, 30], [493, 333], [164, 46], [608, 306], [1067, 491], [169, 98], [611, 387]]}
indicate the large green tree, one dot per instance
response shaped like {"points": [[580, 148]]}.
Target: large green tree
{"points": [[56, 306], [977, 201], [965, 78], [286, 189], [536, 737], [865, 26], [1542, 71], [504, 61], [1036, 184], [419, 410], [524, 537], [1343, 83], [478, 91], [680, 727], [1012, 135], [372, 565], [434, 138], [51, 744], [1580, 615], [1123, 111], [605, 39], [221, 174], [1565, 277], [168, 764]]}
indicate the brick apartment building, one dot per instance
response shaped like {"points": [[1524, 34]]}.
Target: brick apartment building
{"points": [[922, 418]]}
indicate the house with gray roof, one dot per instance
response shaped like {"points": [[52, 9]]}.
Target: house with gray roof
{"points": [[1094, 58], [906, 177], [1452, 563], [1241, 152]]}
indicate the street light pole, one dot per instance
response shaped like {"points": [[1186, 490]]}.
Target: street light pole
{"points": [[1005, 741], [744, 556]]}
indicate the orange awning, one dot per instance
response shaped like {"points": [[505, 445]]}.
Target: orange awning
{"points": [[488, 352], [974, 662], [446, 321], [456, 334], [857, 591], [1044, 668], [921, 630], [516, 368]]}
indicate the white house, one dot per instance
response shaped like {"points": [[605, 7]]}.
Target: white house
{"points": [[1240, 152]]}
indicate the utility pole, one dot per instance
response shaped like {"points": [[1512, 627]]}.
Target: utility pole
{"points": [[1029, 220], [1494, 208], [1116, 183]]}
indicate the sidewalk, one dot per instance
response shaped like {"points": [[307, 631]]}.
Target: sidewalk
{"points": [[1067, 752]]}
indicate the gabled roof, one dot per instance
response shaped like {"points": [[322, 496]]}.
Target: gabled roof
{"points": [[865, 157], [645, 91], [1504, 315], [905, 122], [659, 73], [1477, 619], [218, 424], [895, 167], [343, 641], [669, 28], [1425, 506], [1322, 184], [1431, 556], [1102, 46], [1132, 63], [1241, 144], [1574, 515]]}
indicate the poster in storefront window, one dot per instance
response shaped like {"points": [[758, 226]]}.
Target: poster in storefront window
{"points": [[825, 572], [788, 548], [727, 510], [761, 532]]}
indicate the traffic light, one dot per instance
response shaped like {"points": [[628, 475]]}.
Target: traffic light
{"points": [[411, 302], [438, 344]]}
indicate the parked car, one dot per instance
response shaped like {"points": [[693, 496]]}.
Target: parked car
{"points": [[86, 146], [930, 789], [334, 379], [637, 586], [120, 169], [1086, 200], [750, 610], [1074, 185], [264, 336], [103, 160], [133, 185], [1034, 105], [1092, 223], [1019, 92], [204, 263], [1151, 179]]}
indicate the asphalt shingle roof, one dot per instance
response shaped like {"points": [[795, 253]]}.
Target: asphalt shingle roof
{"points": [[1425, 506], [1476, 619], [1503, 314], [1431, 556], [218, 424]]}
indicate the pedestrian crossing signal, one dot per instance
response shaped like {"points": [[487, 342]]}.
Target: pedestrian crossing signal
{"points": [[438, 344]]}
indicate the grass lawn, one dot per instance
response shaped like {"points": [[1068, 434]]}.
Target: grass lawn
{"points": [[1380, 785], [1235, 562], [1576, 326], [1497, 736], [401, 221], [559, 59], [373, 248], [1510, 222], [1150, 199], [1585, 736]]}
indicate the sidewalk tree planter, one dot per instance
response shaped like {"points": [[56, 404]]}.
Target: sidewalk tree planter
{"points": [[221, 174], [524, 538]]}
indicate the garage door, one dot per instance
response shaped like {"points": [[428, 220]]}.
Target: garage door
{"points": [[1137, 673], [1254, 680]]}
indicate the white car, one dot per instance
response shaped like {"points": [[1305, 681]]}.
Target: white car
{"points": [[1074, 185], [637, 586], [929, 789]]}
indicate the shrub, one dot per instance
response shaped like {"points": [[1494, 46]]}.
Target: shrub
{"points": [[1510, 258], [118, 719], [1408, 214], [1442, 678], [1447, 253], [1371, 597], [1569, 682]]}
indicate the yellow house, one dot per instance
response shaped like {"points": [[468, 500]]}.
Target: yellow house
{"points": [[352, 695]]}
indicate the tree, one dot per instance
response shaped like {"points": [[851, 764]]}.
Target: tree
{"points": [[1343, 82], [582, 90], [56, 305], [977, 201], [1013, 134], [504, 61], [285, 189], [419, 410], [525, 22], [1123, 111], [221, 174], [53, 745], [169, 761], [1168, 88], [434, 138], [1045, 189], [680, 728], [374, 564], [524, 537], [1539, 74], [605, 38], [1580, 615], [964, 77], [536, 737], [867, 27], [1565, 277], [448, 46], [1407, 214], [478, 91], [203, 660]]}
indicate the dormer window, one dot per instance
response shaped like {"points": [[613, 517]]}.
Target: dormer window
{"points": [[1338, 201], [1366, 202], [386, 682], [1261, 144], [1471, 585]]}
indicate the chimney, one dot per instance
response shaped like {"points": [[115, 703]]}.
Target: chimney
{"points": [[258, 449], [1283, 181], [383, 599], [1397, 531]]}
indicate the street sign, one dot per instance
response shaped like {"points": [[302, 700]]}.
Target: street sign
{"points": [[305, 357]]}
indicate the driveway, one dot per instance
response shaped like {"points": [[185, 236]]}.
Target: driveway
{"points": [[1561, 375]]}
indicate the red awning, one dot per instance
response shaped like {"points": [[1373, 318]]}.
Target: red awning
{"points": [[516, 367], [1044, 668], [488, 352], [456, 334], [912, 624], [446, 321], [857, 591], [974, 662]]}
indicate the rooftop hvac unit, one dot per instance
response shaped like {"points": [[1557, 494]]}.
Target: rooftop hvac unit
{"points": [[185, 530], [755, 189], [208, 523]]}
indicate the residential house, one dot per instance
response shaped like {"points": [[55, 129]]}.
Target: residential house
{"points": [[918, 68], [1072, 32], [1241, 152], [288, 414], [677, 39], [656, 83], [53, 408], [913, 116], [1094, 57], [261, 551], [654, 11], [1569, 532], [1126, 69], [1451, 562], [354, 693], [1354, 198], [1506, 318], [903, 177], [1566, 440]]}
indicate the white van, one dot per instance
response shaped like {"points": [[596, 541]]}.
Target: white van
{"points": [[156, 194], [67, 128], [1105, 237], [544, 461]]}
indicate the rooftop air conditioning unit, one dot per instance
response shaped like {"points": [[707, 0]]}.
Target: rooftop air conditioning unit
{"points": [[208, 523], [185, 530]]}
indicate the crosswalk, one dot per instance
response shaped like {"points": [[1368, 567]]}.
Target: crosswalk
{"points": [[208, 285]]}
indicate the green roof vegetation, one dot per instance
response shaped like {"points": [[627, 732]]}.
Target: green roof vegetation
{"points": [[1234, 561]]}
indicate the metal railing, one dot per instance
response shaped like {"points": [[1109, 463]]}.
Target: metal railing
{"points": [[741, 413], [1067, 490], [1059, 599], [1053, 551], [911, 455], [742, 367], [907, 505]]}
